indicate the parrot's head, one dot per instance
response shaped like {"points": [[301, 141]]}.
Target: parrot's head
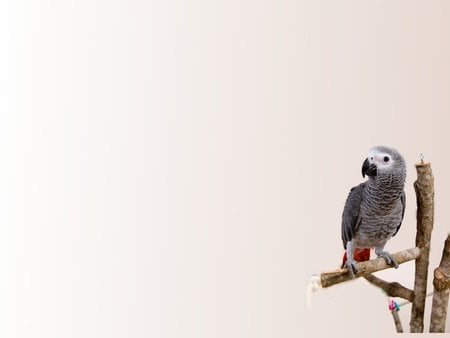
{"points": [[382, 161]]}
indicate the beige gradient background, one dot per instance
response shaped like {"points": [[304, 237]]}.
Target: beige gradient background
{"points": [[179, 168]]}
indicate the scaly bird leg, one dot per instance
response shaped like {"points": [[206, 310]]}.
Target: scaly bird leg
{"points": [[386, 255], [350, 264]]}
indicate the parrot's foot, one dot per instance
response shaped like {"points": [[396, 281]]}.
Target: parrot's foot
{"points": [[388, 258], [350, 264]]}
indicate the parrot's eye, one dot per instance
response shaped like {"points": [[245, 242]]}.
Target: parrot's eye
{"points": [[386, 159]]}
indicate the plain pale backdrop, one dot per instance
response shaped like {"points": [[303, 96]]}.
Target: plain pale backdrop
{"points": [[179, 168]]}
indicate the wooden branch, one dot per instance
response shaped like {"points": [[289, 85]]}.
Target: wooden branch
{"points": [[424, 188], [392, 289], [441, 279], [330, 278], [397, 322], [441, 284]]}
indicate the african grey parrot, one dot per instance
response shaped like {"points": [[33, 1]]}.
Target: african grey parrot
{"points": [[374, 209]]}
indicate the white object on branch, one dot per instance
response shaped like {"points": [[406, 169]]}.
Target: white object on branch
{"points": [[313, 285]]}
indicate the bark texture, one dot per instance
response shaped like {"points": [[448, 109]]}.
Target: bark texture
{"points": [[397, 322], [392, 289], [342, 275], [441, 284], [424, 188]]}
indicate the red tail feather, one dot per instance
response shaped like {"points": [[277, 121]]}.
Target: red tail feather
{"points": [[360, 255]]}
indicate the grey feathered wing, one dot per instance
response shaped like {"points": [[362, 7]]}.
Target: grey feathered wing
{"points": [[351, 218], [403, 201]]}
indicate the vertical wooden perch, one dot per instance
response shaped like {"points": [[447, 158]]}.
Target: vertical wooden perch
{"points": [[424, 188], [441, 284]]}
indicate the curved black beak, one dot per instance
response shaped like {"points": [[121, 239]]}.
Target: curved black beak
{"points": [[369, 169]]}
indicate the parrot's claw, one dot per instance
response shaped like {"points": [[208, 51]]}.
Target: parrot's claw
{"points": [[388, 258], [350, 264]]}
